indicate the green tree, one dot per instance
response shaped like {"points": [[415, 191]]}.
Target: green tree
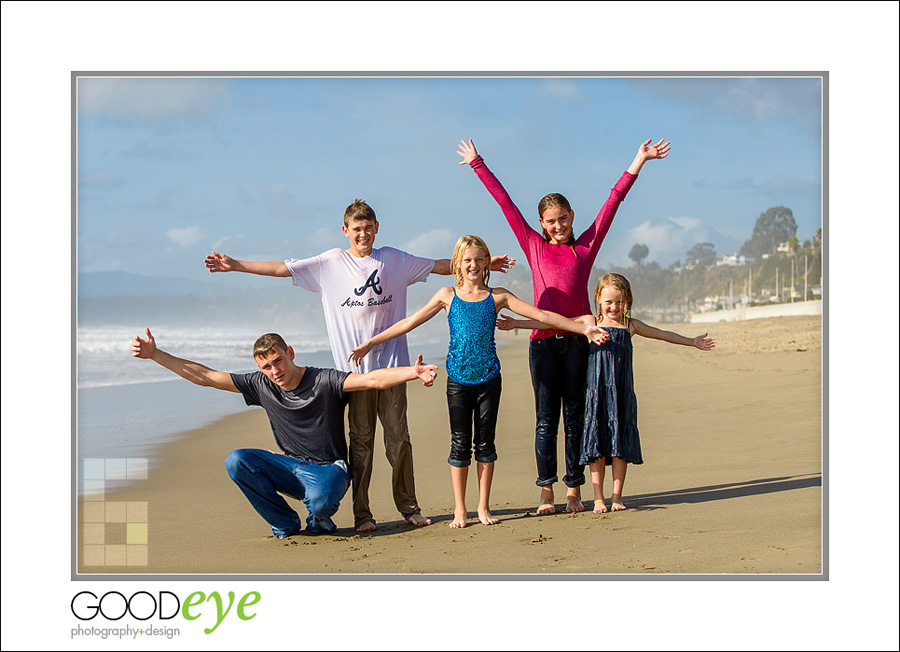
{"points": [[773, 227], [702, 253], [638, 253]]}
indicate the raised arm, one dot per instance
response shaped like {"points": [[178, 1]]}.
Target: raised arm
{"points": [[390, 376], [423, 314], [217, 262], [701, 341], [510, 211], [506, 299], [647, 152], [192, 371]]}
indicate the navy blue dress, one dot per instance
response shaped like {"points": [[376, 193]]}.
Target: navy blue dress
{"points": [[610, 414]]}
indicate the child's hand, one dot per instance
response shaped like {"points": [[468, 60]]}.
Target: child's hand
{"points": [[704, 343], [659, 150], [216, 262], [427, 372], [596, 334], [143, 348], [502, 263], [359, 353], [505, 323], [467, 151]]}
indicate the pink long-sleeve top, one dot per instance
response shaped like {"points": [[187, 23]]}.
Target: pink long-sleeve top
{"points": [[560, 273]]}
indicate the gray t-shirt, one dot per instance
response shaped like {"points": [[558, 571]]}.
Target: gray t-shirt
{"points": [[308, 421]]}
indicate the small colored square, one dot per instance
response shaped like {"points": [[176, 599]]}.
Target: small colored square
{"points": [[136, 512], [94, 512], [115, 512], [116, 468], [137, 555], [94, 490], [136, 533], [93, 534], [136, 468], [116, 555], [94, 468], [94, 555], [116, 534]]}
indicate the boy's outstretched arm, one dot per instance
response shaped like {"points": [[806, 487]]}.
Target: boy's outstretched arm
{"points": [[193, 371], [390, 376], [648, 152], [701, 341], [217, 262], [502, 263]]}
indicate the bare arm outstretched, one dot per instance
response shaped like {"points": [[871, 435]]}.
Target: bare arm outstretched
{"points": [[701, 341], [217, 262], [193, 371], [390, 376]]}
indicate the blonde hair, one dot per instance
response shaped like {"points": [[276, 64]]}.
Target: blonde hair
{"points": [[617, 282], [461, 245]]}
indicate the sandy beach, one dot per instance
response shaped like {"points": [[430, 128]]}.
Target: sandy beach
{"points": [[731, 484]]}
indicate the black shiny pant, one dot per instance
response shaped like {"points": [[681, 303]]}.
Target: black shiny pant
{"points": [[473, 407]]}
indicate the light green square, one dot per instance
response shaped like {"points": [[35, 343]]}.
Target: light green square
{"points": [[136, 533]]}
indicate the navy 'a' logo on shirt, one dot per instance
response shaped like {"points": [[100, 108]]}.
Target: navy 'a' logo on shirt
{"points": [[371, 282]]}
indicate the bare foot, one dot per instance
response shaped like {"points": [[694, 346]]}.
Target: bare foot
{"points": [[617, 504], [600, 506], [573, 502], [459, 520], [368, 526], [546, 506], [418, 520], [486, 518]]}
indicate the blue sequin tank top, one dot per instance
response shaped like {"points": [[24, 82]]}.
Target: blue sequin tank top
{"points": [[472, 358]]}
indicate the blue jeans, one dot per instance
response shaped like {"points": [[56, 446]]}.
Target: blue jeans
{"points": [[261, 475], [558, 375], [478, 406]]}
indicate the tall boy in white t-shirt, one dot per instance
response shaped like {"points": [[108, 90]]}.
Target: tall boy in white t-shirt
{"points": [[363, 292]]}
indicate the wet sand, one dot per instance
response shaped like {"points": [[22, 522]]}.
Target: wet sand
{"points": [[731, 483]]}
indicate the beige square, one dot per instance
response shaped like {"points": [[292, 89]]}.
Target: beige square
{"points": [[136, 468], [137, 533], [94, 512], [116, 555], [94, 555], [115, 512], [136, 512], [137, 555], [93, 533]]}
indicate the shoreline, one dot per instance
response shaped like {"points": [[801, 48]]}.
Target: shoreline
{"points": [[732, 482]]}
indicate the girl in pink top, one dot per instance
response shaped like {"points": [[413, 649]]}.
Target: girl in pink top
{"points": [[561, 266]]}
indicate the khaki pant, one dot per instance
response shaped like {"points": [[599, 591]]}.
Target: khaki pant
{"points": [[389, 406]]}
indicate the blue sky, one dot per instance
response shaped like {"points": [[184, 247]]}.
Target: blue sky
{"points": [[262, 168]]}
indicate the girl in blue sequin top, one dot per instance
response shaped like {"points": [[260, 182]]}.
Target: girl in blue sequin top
{"points": [[473, 369]]}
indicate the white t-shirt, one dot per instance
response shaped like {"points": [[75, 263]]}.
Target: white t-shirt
{"points": [[361, 298]]}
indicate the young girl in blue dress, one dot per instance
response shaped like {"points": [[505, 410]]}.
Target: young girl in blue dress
{"points": [[473, 369], [610, 419]]}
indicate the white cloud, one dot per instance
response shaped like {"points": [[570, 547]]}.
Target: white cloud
{"points": [[668, 239], [186, 237], [437, 243], [151, 99]]}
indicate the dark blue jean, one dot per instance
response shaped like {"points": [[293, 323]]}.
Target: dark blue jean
{"points": [[262, 475], [558, 373], [473, 406]]}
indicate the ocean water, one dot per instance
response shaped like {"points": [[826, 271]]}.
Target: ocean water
{"points": [[127, 407]]}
